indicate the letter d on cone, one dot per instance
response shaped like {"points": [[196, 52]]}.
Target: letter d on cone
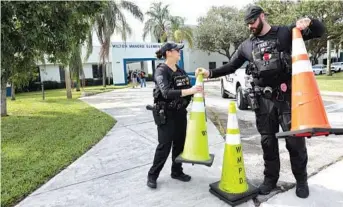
{"points": [[308, 112], [196, 145], [233, 187]]}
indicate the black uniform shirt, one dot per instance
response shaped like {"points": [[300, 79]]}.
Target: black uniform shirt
{"points": [[284, 35], [164, 79]]}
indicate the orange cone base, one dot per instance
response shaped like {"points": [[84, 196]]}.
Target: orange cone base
{"points": [[234, 199], [208, 163], [310, 132]]}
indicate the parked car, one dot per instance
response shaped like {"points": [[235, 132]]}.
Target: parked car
{"points": [[337, 66], [319, 69], [235, 85]]}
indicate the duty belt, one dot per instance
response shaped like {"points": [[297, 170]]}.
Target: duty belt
{"points": [[173, 105], [277, 92]]}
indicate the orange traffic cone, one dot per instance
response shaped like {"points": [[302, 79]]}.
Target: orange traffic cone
{"points": [[308, 113]]}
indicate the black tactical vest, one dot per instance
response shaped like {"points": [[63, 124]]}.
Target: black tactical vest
{"points": [[266, 57], [176, 81]]}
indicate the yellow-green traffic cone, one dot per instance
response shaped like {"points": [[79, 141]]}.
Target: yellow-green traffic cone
{"points": [[196, 150], [233, 187]]}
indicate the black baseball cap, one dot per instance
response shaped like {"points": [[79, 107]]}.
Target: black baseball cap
{"points": [[170, 46], [252, 13]]}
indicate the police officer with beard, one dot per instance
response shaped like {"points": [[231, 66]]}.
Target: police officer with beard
{"points": [[268, 51], [172, 95]]}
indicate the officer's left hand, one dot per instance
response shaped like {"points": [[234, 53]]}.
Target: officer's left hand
{"points": [[303, 23], [203, 71]]}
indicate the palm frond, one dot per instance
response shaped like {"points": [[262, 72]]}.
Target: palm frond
{"points": [[157, 23], [89, 43], [133, 9]]}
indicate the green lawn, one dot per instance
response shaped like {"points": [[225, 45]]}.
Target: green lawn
{"points": [[330, 83], [40, 138]]}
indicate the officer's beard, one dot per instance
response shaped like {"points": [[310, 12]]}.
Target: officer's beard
{"points": [[257, 30]]}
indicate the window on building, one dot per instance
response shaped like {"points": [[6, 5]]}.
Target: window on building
{"points": [[97, 71], [38, 78], [212, 65], [224, 63], [62, 74]]}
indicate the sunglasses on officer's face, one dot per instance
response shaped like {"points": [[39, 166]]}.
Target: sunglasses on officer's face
{"points": [[251, 21], [177, 50]]}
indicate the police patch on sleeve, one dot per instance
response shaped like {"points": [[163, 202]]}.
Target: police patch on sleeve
{"points": [[159, 80]]}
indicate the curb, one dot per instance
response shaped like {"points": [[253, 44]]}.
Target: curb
{"points": [[331, 94]]}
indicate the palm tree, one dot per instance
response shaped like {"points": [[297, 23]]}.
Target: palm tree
{"points": [[112, 20], [165, 26], [179, 32], [75, 65], [158, 21]]}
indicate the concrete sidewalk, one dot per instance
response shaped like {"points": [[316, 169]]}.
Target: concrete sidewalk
{"points": [[326, 190], [114, 172]]}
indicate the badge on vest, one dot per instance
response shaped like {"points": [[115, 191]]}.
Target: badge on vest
{"points": [[181, 81], [283, 87], [267, 56]]}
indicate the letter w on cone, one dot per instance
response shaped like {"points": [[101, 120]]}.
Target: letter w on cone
{"points": [[308, 113]]}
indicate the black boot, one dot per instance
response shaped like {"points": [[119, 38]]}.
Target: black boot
{"points": [[151, 182], [302, 190], [266, 187], [181, 176]]}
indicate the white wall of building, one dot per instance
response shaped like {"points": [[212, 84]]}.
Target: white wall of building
{"points": [[132, 51], [50, 73], [87, 69], [194, 59], [333, 55]]}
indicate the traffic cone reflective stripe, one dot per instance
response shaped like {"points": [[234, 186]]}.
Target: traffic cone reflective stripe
{"points": [[232, 130], [196, 149], [308, 113], [233, 187], [197, 106]]}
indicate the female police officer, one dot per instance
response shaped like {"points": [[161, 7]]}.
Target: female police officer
{"points": [[172, 94]]}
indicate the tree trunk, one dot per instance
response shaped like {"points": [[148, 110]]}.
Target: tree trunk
{"points": [[43, 92], [109, 77], [104, 75], [12, 92], [328, 56], [78, 84], [83, 85], [68, 82], [3, 98], [78, 81]]}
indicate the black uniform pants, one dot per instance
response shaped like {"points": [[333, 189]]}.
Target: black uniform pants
{"points": [[170, 136], [271, 113]]}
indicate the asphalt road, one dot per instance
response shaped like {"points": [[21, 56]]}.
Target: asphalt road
{"points": [[217, 110], [322, 151]]}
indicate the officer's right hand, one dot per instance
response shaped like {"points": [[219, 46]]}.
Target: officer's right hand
{"points": [[197, 89], [205, 72]]}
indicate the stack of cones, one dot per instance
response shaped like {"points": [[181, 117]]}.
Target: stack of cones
{"points": [[233, 187], [196, 149], [308, 113]]}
